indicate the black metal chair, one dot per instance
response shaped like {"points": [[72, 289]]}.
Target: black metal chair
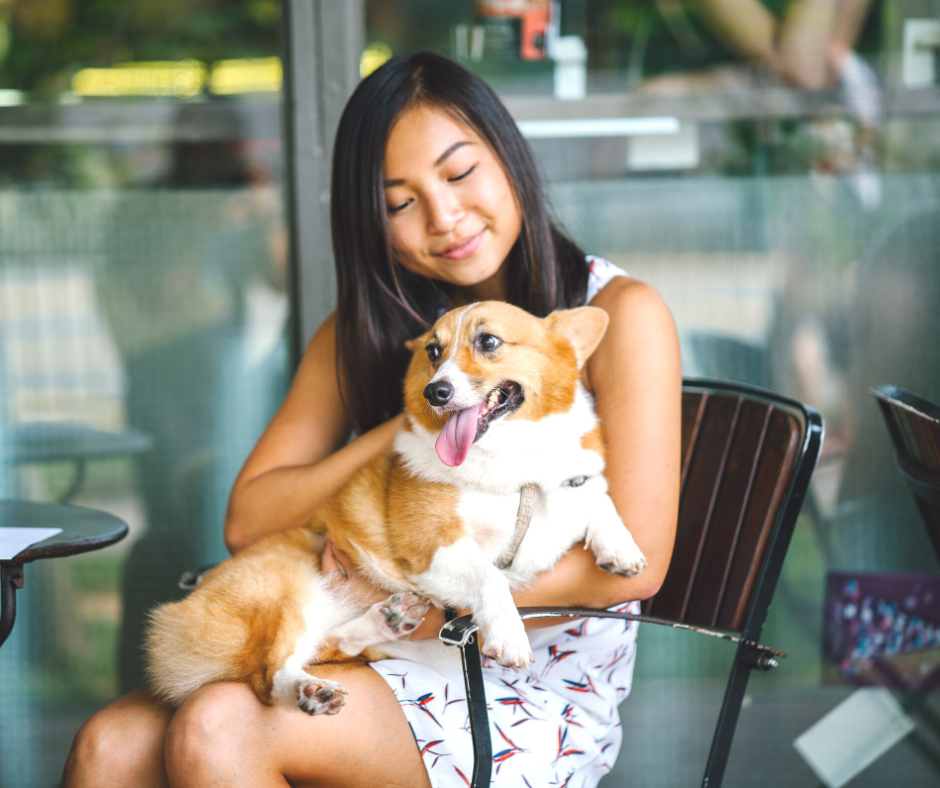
{"points": [[914, 424], [747, 459]]}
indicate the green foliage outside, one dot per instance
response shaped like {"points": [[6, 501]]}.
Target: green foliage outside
{"points": [[43, 42]]}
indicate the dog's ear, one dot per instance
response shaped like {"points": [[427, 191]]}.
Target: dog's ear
{"points": [[584, 327]]}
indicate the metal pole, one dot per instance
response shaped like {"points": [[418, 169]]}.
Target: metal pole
{"points": [[322, 41]]}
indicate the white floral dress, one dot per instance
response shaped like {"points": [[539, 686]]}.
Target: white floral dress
{"points": [[553, 725]]}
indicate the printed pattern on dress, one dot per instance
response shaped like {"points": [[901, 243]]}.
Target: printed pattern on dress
{"points": [[555, 724]]}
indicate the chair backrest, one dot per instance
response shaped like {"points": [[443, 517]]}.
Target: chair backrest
{"points": [[914, 425], [747, 457]]}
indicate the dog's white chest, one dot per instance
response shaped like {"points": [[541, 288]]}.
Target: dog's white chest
{"points": [[559, 518], [489, 520]]}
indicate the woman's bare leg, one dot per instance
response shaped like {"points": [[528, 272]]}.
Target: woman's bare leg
{"points": [[122, 745], [223, 736]]}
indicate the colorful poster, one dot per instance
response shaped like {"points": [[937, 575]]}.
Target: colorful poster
{"points": [[883, 629]]}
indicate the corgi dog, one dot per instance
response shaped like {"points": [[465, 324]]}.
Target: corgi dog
{"points": [[497, 425]]}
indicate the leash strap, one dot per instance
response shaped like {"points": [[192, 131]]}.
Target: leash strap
{"points": [[523, 518]]}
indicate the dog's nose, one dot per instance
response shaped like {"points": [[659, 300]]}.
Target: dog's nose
{"points": [[439, 392]]}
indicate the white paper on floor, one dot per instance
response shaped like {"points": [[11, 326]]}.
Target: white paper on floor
{"points": [[853, 735], [16, 540]]}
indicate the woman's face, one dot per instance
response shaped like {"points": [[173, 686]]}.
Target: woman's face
{"points": [[452, 211]]}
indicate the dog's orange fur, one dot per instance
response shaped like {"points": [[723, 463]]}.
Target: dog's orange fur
{"points": [[594, 441]]}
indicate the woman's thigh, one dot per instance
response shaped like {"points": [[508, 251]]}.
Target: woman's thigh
{"points": [[222, 735]]}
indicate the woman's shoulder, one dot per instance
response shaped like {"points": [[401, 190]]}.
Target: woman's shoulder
{"points": [[634, 306], [600, 273]]}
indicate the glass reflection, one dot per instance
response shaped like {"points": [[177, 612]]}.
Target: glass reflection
{"points": [[143, 308]]}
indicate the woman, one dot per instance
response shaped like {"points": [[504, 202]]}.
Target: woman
{"points": [[435, 203]]}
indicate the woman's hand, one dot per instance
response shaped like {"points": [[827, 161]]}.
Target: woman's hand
{"points": [[302, 459]]}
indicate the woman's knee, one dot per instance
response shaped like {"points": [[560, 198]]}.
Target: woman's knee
{"points": [[202, 734], [120, 745]]}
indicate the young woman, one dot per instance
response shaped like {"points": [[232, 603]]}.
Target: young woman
{"points": [[436, 202]]}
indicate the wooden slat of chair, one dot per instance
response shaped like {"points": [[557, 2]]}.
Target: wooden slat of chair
{"points": [[735, 470], [928, 454], [705, 465], [773, 477], [914, 425], [693, 408], [727, 527], [930, 514]]}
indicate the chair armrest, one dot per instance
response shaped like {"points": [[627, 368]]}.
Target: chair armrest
{"points": [[459, 631]]}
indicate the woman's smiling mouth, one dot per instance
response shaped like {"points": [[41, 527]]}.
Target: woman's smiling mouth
{"points": [[462, 249]]}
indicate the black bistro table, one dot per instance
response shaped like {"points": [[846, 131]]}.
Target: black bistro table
{"points": [[40, 442], [82, 530]]}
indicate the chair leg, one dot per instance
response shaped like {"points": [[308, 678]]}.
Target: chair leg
{"points": [[727, 721], [476, 707]]}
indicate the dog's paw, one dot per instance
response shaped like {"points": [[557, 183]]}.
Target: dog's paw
{"points": [[321, 696], [625, 560], [508, 643], [401, 613]]}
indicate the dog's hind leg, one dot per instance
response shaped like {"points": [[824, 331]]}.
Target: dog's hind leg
{"points": [[302, 640], [389, 620], [384, 621]]}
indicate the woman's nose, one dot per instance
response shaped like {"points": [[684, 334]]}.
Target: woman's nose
{"points": [[444, 211]]}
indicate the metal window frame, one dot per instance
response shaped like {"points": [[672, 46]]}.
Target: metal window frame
{"points": [[321, 43]]}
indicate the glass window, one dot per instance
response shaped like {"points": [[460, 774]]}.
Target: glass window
{"points": [[773, 168], [143, 314]]}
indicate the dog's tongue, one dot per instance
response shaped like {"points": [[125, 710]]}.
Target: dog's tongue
{"points": [[457, 436]]}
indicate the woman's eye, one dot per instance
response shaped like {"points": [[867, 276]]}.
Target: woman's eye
{"points": [[434, 352], [396, 208], [463, 175], [488, 342]]}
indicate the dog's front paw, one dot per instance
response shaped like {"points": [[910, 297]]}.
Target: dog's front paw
{"points": [[321, 696], [401, 613], [507, 643], [625, 559]]}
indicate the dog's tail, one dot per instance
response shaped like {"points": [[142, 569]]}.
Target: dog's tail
{"points": [[182, 657]]}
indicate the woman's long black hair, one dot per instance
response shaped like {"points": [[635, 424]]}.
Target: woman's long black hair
{"points": [[380, 304]]}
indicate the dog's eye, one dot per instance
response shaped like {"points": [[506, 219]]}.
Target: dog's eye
{"points": [[434, 351], [489, 342]]}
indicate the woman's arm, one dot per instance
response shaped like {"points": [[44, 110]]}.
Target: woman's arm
{"points": [[301, 461], [636, 378]]}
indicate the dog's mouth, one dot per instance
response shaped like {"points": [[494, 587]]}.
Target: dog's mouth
{"points": [[502, 401], [466, 427]]}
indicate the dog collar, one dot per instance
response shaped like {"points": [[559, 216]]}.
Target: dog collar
{"points": [[524, 517]]}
